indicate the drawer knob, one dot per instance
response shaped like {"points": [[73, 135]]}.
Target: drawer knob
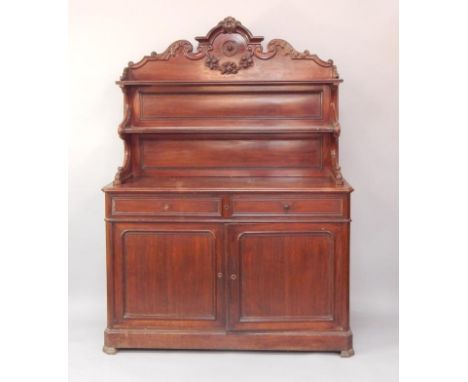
{"points": [[286, 206], [166, 207], [233, 276], [220, 275]]}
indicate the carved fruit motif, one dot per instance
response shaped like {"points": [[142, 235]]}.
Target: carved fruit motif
{"points": [[229, 67], [246, 61], [212, 62]]}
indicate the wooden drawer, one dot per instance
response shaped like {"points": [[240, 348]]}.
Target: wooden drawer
{"points": [[166, 206], [317, 205]]}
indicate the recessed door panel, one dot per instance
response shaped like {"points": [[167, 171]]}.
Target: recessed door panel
{"points": [[167, 275], [282, 276]]}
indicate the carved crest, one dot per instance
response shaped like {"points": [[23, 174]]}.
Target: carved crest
{"points": [[228, 49], [229, 24]]}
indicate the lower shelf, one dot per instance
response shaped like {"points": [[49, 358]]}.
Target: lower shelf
{"points": [[336, 341]]}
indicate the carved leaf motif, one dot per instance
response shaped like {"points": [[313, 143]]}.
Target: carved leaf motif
{"points": [[229, 24], [229, 67], [180, 46], [246, 61], [279, 46], [212, 62], [124, 74]]}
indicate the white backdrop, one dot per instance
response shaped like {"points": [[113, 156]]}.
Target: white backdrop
{"points": [[361, 36]]}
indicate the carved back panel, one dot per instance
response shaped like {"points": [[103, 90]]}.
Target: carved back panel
{"points": [[229, 52]]}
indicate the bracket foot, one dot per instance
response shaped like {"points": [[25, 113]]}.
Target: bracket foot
{"points": [[347, 353], [109, 350]]}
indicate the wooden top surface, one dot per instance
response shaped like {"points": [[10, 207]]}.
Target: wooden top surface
{"points": [[230, 184]]}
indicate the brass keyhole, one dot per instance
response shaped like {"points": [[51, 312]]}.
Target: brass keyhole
{"points": [[286, 206]]}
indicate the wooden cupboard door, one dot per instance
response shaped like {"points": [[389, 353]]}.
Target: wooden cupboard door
{"points": [[285, 276], [168, 275]]}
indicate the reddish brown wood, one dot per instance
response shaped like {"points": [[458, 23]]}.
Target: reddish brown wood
{"points": [[166, 275], [228, 223], [312, 340], [249, 156], [167, 205], [287, 205], [248, 104]]}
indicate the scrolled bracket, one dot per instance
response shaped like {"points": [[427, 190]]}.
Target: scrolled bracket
{"points": [[336, 167], [334, 118], [124, 172], [334, 152]]}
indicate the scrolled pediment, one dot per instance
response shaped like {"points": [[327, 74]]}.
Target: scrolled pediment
{"points": [[230, 52]]}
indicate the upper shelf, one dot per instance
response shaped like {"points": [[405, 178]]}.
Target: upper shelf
{"points": [[217, 83], [220, 127]]}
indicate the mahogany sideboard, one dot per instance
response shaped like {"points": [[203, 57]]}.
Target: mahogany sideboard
{"points": [[228, 224]]}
